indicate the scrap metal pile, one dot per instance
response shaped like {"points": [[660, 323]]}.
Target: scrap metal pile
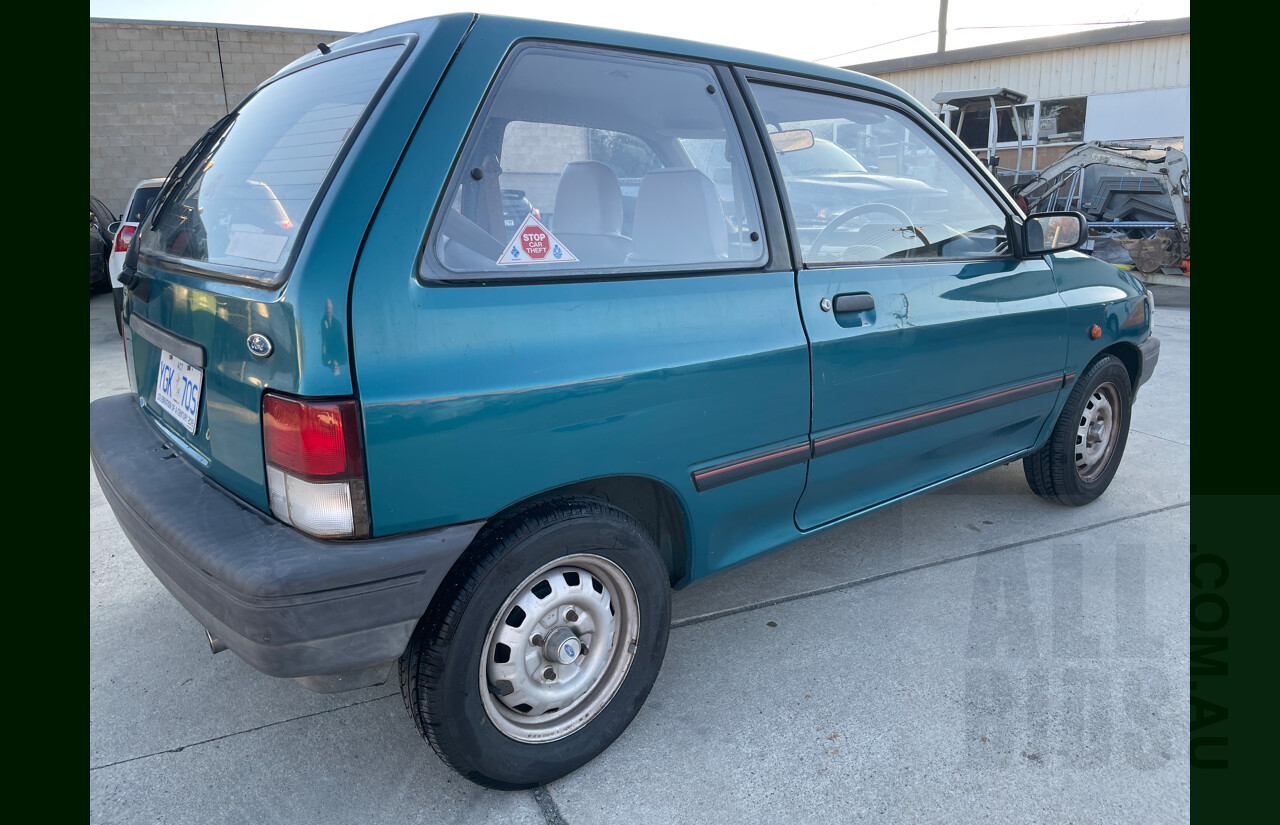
{"points": [[1143, 214]]}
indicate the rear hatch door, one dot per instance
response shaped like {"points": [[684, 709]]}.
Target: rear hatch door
{"points": [[241, 272]]}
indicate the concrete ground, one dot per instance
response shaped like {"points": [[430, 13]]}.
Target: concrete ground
{"points": [[1171, 297], [971, 655]]}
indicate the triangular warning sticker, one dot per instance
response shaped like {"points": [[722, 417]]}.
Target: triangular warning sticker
{"points": [[533, 243]]}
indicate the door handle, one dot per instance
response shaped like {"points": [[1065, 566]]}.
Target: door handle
{"points": [[855, 302]]}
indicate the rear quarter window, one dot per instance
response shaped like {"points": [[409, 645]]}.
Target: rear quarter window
{"points": [[240, 203], [596, 161], [141, 203]]}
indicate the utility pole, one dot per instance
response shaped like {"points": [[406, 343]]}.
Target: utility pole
{"points": [[942, 26]]}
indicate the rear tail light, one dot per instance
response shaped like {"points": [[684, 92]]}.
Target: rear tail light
{"points": [[315, 465], [124, 236]]}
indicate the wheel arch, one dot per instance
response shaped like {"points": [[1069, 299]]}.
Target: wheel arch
{"points": [[1129, 355], [649, 501]]}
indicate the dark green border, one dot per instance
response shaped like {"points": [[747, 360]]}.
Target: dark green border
{"points": [[1232, 627]]}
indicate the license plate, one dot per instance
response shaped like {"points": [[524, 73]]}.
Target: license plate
{"points": [[178, 389]]}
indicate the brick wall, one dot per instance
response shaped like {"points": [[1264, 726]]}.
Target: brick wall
{"points": [[154, 88]]}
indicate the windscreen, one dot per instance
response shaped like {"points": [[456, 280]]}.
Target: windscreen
{"points": [[240, 202]]}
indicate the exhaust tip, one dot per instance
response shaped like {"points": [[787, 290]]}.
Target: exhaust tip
{"points": [[215, 644]]}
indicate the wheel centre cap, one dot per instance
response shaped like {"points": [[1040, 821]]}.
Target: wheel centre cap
{"points": [[562, 646]]}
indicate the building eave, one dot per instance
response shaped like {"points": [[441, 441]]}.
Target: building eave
{"points": [[1075, 40]]}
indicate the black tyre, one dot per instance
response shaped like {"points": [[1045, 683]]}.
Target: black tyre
{"points": [[1083, 452], [547, 645]]}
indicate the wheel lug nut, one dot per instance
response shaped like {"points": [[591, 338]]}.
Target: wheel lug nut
{"points": [[571, 616], [536, 641], [549, 674]]}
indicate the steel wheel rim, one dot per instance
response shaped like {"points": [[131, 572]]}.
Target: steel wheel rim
{"points": [[1096, 431], [580, 598]]}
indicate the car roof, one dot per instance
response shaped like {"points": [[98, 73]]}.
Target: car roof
{"points": [[514, 29], [157, 182]]}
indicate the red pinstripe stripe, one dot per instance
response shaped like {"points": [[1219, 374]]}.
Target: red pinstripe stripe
{"points": [[749, 461], [861, 430]]}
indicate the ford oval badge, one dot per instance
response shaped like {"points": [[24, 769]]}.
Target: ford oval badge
{"points": [[259, 345]]}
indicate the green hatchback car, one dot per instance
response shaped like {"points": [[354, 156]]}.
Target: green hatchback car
{"points": [[390, 421]]}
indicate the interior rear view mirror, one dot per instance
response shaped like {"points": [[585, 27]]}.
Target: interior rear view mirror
{"points": [[791, 141]]}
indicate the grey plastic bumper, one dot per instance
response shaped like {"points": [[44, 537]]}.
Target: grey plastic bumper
{"points": [[335, 615], [1150, 356]]}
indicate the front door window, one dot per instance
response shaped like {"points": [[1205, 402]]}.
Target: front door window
{"points": [[866, 184]]}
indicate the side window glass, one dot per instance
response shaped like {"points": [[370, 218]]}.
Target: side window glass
{"points": [[866, 183], [581, 163]]}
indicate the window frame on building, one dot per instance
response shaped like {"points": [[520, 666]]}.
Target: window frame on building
{"points": [[950, 119]]}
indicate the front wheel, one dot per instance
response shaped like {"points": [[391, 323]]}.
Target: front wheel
{"points": [[1083, 452], [546, 649]]}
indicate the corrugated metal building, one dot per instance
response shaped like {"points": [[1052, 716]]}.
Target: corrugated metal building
{"points": [[1123, 83]]}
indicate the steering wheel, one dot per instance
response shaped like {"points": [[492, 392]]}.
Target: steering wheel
{"points": [[840, 220]]}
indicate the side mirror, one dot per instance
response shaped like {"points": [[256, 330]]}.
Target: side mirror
{"points": [[1046, 232], [113, 228]]}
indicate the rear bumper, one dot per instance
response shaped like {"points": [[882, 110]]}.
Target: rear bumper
{"points": [[335, 615], [1150, 349]]}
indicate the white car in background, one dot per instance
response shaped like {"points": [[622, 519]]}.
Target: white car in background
{"points": [[144, 195]]}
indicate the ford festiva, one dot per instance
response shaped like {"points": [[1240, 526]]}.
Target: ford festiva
{"points": [[384, 428]]}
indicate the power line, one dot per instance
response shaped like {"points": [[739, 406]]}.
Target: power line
{"points": [[878, 45], [974, 28]]}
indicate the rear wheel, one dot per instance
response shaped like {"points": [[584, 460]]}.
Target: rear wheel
{"points": [[547, 648], [1083, 452]]}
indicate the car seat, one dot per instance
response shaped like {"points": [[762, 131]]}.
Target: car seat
{"points": [[588, 214]]}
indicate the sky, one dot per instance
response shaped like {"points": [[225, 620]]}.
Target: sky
{"points": [[834, 32]]}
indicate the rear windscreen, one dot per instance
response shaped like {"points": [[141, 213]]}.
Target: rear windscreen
{"points": [[142, 200], [242, 200]]}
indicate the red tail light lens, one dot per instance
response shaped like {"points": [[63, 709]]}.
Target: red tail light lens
{"points": [[315, 466], [312, 439], [124, 237]]}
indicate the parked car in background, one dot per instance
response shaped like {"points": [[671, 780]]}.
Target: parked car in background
{"points": [[140, 201], [824, 181], [515, 208], [100, 220], [393, 437]]}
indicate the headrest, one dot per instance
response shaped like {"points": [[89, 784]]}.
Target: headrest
{"points": [[679, 219], [588, 200]]}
